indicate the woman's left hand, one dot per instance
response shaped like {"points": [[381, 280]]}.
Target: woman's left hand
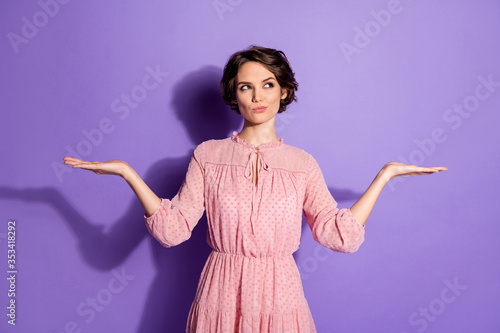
{"points": [[363, 207], [397, 169]]}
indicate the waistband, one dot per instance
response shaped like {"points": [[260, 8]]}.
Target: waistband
{"points": [[262, 257]]}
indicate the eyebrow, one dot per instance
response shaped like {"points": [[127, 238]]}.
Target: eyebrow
{"points": [[244, 82]]}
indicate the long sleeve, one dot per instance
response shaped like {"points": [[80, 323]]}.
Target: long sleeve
{"points": [[335, 229], [173, 221]]}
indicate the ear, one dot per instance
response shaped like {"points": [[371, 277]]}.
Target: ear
{"points": [[284, 93]]}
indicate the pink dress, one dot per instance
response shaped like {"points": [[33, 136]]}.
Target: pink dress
{"points": [[250, 282]]}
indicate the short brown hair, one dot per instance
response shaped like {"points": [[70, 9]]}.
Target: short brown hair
{"points": [[274, 60]]}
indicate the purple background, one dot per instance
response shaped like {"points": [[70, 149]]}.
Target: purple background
{"points": [[372, 89]]}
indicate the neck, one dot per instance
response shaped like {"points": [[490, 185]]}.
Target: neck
{"points": [[258, 134]]}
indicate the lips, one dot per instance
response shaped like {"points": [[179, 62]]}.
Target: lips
{"points": [[260, 109]]}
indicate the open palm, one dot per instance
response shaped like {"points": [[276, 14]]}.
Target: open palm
{"points": [[398, 169], [112, 167]]}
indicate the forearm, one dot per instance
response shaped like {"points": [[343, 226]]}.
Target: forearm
{"points": [[149, 200], [364, 206]]}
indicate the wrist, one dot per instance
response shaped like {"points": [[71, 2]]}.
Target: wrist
{"points": [[384, 175], [127, 172]]}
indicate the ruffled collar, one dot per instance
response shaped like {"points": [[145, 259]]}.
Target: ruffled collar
{"points": [[266, 145]]}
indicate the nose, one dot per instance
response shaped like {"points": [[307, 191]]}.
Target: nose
{"points": [[257, 95]]}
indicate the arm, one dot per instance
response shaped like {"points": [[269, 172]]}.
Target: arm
{"points": [[364, 206], [169, 221], [334, 228], [149, 200]]}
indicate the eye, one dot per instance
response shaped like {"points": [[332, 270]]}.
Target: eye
{"points": [[245, 87], [270, 84]]}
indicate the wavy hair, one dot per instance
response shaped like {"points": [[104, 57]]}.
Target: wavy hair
{"points": [[274, 60]]}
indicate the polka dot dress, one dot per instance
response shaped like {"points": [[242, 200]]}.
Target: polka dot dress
{"points": [[254, 198]]}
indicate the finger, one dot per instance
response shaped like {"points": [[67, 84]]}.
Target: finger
{"points": [[438, 168], [90, 165], [413, 169], [69, 159], [429, 172], [431, 169], [87, 166], [419, 171], [426, 171], [71, 162]]}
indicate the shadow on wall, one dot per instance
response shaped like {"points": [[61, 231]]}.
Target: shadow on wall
{"points": [[197, 103]]}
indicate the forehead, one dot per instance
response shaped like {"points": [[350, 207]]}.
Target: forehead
{"points": [[253, 71]]}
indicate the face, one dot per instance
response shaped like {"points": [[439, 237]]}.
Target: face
{"points": [[258, 93]]}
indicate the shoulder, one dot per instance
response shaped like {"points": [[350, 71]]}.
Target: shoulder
{"points": [[211, 148], [309, 162], [292, 150], [290, 158]]}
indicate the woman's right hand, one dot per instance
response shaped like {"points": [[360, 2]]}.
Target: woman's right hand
{"points": [[149, 200], [113, 167]]}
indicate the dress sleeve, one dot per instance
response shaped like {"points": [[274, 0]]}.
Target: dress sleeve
{"points": [[172, 222], [335, 229]]}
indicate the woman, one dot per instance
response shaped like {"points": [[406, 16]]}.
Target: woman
{"points": [[254, 189]]}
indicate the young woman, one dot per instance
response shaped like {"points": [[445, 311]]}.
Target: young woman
{"points": [[254, 188]]}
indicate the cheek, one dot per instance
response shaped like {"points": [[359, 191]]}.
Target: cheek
{"points": [[276, 97], [242, 101], [242, 96]]}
